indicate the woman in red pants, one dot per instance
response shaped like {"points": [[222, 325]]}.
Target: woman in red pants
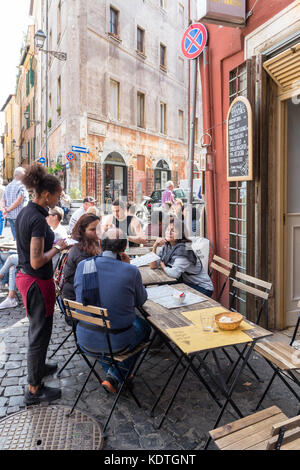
{"points": [[35, 277]]}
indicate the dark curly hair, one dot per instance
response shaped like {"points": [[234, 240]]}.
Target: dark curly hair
{"points": [[37, 178], [90, 247]]}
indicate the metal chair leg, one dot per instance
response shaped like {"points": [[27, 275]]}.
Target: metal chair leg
{"points": [[83, 387], [61, 344]]}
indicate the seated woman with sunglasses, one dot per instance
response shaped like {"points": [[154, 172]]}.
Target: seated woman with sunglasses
{"points": [[178, 259]]}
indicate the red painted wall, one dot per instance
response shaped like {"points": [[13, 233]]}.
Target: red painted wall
{"points": [[225, 52]]}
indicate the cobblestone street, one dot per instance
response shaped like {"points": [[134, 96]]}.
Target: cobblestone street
{"points": [[191, 417]]}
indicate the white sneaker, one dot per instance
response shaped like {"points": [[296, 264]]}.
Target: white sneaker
{"points": [[8, 303]]}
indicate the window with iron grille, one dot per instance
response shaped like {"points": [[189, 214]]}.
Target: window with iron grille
{"points": [[238, 191]]}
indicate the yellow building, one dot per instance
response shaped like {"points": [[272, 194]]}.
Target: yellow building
{"points": [[10, 110]]}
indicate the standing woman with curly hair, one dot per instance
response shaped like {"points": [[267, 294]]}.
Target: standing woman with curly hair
{"points": [[35, 281], [86, 233]]}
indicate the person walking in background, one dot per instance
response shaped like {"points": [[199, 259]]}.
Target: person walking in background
{"points": [[167, 195], [36, 248], [15, 197], [87, 202], [65, 201]]}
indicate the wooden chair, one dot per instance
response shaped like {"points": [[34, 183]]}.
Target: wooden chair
{"points": [[224, 267], [254, 286], [269, 429], [258, 288], [100, 317], [61, 306], [284, 360]]}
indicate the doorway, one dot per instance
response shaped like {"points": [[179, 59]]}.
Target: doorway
{"points": [[115, 178], [162, 174], [292, 247]]}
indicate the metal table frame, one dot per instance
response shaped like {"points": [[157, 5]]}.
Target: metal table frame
{"points": [[187, 360]]}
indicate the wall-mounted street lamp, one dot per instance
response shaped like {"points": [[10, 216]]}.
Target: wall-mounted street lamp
{"points": [[40, 38], [27, 117], [17, 146]]}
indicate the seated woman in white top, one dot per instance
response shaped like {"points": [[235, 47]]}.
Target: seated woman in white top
{"points": [[178, 260], [54, 219]]}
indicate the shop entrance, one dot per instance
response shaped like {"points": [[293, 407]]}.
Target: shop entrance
{"points": [[115, 178], [162, 174]]}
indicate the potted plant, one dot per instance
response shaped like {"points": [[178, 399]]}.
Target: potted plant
{"points": [[57, 170]]}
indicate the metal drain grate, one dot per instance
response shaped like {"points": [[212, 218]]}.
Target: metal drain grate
{"points": [[49, 428]]}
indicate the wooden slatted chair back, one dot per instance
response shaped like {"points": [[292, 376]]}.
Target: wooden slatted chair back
{"points": [[254, 286], [224, 267], [89, 313]]}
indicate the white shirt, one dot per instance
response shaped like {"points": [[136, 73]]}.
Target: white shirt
{"points": [[76, 216]]}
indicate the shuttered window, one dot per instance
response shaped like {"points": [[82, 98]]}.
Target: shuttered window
{"points": [[285, 67]]}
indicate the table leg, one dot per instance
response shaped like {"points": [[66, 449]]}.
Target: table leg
{"points": [[246, 358], [175, 393]]}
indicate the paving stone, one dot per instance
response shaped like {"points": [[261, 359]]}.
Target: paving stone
{"points": [[10, 381], [12, 365], [13, 390], [3, 401], [16, 401]]}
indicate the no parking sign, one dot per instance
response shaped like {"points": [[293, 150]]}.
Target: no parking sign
{"points": [[71, 156], [194, 40]]}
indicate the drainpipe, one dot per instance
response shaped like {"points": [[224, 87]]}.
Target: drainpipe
{"points": [[207, 128]]}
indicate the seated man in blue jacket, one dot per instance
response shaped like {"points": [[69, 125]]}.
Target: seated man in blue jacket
{"points": [[109, 281]]}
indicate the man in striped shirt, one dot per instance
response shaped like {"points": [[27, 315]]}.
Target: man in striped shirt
{"points": [[15, 197]]}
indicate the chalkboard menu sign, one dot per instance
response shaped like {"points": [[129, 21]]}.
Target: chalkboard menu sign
{"points": [[239, 141]]}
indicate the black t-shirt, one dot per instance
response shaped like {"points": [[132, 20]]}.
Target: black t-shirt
{"points": [[125, 226], [31, 222]]}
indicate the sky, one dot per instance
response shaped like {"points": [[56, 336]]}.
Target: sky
{"points": [[14, 21]]}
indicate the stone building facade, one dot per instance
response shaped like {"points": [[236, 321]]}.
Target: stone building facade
{"points": [[122, 93]]}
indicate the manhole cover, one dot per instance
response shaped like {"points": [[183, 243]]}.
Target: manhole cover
{"points": [[49, 428]]}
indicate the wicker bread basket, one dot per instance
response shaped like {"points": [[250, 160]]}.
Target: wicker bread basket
{"points": [[236, 319]]}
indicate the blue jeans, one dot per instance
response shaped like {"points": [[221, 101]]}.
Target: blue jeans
{"points": [[200, 289], [10, 266], [12, 227], [142, 333], [1, 222]]}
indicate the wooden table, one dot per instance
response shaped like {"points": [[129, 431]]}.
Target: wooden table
{"points": [[162, 319], [138, 250], [152, 277]]}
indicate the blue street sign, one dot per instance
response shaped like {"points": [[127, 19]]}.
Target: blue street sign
{"points": [[42, 160], [80, 149], [68, 164]]}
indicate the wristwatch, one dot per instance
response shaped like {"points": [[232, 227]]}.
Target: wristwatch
{"points": [[57, 246]]}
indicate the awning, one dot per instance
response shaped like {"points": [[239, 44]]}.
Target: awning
{"points": [[285, 67]]}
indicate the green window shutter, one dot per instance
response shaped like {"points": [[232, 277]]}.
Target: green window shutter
{"points": [[31, 77], [27, 84], [28, 120]]}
